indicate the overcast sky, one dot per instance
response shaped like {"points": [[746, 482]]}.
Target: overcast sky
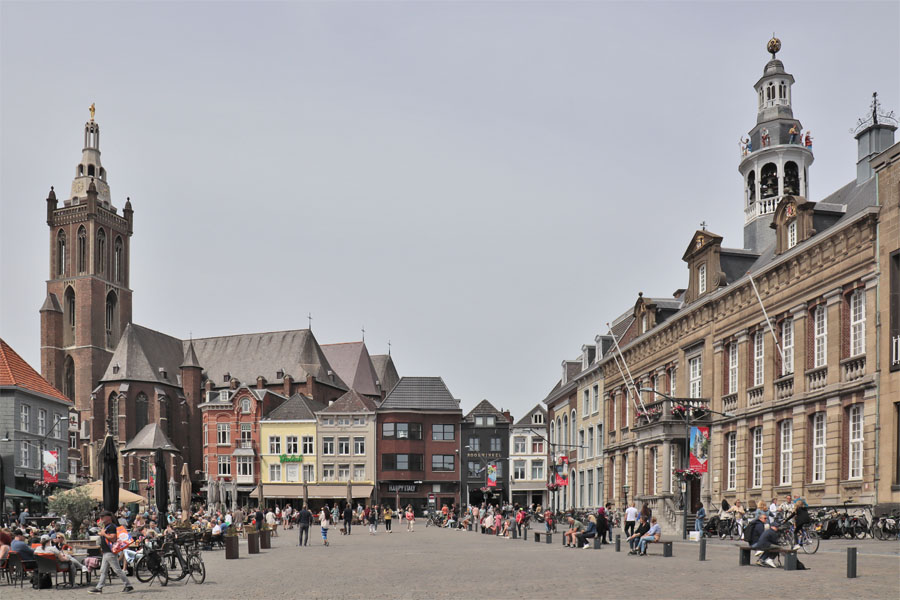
{"points": [[485, 184]]}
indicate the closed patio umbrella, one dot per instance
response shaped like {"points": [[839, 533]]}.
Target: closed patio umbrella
{"points": [[109, 459], [185, 493], [161, 487], [173, 492], [234, 494], [210, 493]]}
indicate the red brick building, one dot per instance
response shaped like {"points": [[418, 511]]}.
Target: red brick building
{"points": [[418, 433]]}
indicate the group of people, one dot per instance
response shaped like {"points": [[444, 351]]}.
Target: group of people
{"points": [[795, 136], [370, 516]]}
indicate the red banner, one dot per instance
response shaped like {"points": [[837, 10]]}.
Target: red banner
{"points": [[562, 471], [700, 449], [51, 466]]}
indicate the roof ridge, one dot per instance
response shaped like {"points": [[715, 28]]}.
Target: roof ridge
{"points": [[213, 337]]}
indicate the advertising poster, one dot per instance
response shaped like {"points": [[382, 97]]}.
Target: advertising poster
{"points": [[492, 475], [699, 449], [51, 466]]}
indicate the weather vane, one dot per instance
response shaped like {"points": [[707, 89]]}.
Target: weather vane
{"points": [[875, 117]]}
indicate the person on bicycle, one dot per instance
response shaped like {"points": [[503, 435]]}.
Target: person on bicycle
{"points": [[801, 518]]}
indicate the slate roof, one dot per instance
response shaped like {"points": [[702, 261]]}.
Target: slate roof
{"points": [[386, 371], [526, 420], [421, 393], [352, 364], [351, 402], [141, 352], [485, 408], [190, 357], [51, 304], [296, 408], [15, 372], [151, 437]]}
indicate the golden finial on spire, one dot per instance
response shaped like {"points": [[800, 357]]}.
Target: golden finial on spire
{"points": [[774, 45], [93, 109]]}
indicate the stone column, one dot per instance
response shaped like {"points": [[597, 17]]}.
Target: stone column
{"points": [[833, 327], [639, 477], [711, 384], [666, 467], [799, 316], [743, 362]]}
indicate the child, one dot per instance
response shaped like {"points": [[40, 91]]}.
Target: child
{"points": [[324, 522]]}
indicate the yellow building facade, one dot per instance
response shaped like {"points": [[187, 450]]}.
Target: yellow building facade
{"points": [[288, 451]]}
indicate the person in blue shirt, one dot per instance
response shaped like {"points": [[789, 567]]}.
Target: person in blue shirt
{"points": [[701, 518], [768, 538], [652, 536], [20, 546]]}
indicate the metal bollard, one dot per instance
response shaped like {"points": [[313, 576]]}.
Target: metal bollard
{"points": [[851, 563], [702, 548], [515, 533], [790, 561], [618, 543], [525, 534]]}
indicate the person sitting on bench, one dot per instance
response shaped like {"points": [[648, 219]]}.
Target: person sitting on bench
{"points": [[653, 535], [589, 533], [767, 539], [575, 527], [634, 539]]}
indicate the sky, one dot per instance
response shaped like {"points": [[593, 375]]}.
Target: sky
{"points": [[483, 184]]}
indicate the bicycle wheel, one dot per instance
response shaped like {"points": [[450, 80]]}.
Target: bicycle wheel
{"points": [[179, 570], [860, 530], [162, 575], [723, 529], [878, 531], [142, 570], [197, 568], [809, 542]]}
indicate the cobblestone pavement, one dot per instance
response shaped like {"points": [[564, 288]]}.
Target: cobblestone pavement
{"points": [[432, 563]]}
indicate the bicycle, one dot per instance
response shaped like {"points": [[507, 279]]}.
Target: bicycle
{"points": [[189, 561], [887, 526], [150, 565], [808, 539]]}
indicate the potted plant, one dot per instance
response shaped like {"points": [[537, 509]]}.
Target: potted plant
{"points": [[252, 539], [265, 537], [231, 543]]}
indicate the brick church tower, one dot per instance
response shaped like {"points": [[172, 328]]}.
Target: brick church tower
{"points": [[88, 301]]}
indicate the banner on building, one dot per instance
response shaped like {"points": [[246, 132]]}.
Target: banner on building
{"points": [[51, 466], [562, 471], [492, 475], [699, 449]]}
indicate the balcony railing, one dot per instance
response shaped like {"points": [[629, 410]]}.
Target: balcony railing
{"points": [[784, 387], [853, 368], [895, 351], [755, 396], [729, 403], [816, 378], [244, 479], [760, 207]]}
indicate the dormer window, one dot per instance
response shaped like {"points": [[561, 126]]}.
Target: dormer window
{"points": [[701, 279], [791, 234], [537, 418]]}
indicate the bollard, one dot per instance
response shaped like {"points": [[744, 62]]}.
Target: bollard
{"points": [[515, 533], [525, 534], [790, 561], [702, 548], [667, 549], [618, 543], [851, 563]]}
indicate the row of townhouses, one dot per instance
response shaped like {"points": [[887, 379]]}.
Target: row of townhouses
{"points": [[785, 351]]}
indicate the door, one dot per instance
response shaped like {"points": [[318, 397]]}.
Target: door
{"points": [[695, 494]]}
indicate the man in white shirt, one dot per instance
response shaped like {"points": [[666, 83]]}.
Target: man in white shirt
{"points": [[631, 515]]}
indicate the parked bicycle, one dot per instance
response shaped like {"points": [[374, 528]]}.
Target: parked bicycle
{"points": [[150, 564], [886, 526], [181, 555]]}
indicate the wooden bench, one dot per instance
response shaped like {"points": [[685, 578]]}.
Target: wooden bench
{"points": [[667, 547], [548, 537], [790, 556]]}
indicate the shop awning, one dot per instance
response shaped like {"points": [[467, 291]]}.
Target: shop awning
{"points": [[317, 491], [14, 493]]}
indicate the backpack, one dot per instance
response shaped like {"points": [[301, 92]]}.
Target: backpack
{"points": [[801, 566], [41, 581]]}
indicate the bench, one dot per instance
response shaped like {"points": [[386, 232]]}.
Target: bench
{"points": [[790, 556], [548, 537], [667, 547]]}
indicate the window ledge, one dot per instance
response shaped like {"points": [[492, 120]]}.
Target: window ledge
{"points": [[784, 488], [850, 359], [851, 483], [816, 487]]}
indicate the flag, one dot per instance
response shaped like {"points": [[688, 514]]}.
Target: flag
{"points": [[492, 475]]}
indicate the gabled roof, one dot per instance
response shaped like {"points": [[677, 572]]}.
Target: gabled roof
{"points": [[51, 304], [526, 420], [351, 362], [296, 408], [15, 372], [351, 402], [190, 357], [421, 393], [247, 356], [386, 371], [485, 408], [151, 437], [141, 352]]}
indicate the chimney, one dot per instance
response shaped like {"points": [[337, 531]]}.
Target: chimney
{"points": [[287, 385], [260, 382], [508, 416], [234, 383]]}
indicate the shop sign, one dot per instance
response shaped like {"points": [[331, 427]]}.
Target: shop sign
{"points": [[402, 487], [287, 458]]}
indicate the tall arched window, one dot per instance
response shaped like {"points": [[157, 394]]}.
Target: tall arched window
{"points": [[768, 181], [69, 310], [552, 432], [112, 407], [140, 412], [69, 378], [101, 251], [82, 250], [565, 429], [111, 320], [751, 187], [572, 438], [791, 179], [90, 170], [118, 256], [61, 253], [170, 418]]}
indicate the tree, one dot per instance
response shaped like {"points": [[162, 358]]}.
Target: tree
{"points": [[75, 504]]}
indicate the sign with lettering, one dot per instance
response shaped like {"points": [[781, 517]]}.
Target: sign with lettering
{"points": [[485, 454], [402, 487], [287, 458]]}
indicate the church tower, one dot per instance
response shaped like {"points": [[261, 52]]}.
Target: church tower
{"points": [[88, 301], [775, 161]]}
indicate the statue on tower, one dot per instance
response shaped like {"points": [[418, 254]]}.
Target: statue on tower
{"points": [[92, 109]]}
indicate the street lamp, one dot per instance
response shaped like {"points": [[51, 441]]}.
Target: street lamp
{"points": [[689, 403], [625, 489], [40, 449]]}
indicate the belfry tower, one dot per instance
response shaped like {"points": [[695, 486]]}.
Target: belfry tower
{"points": [[88, 300], [775, 162]]}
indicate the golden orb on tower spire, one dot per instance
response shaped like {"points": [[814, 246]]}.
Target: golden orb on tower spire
{"points": [[773, 46]]}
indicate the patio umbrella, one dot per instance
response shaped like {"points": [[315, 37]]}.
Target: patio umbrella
{"points": [[173, 492], [349, 493], [185, 493], [210, 493], [109, 458], [233, 494], [161, 488], [305, 493]]}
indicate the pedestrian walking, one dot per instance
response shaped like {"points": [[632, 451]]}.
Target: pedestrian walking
{"points": [[110, 560], [348, 519], [304, 520], [373, 520], [325, 525], [631, 515], [410, 519], [388, 515]]}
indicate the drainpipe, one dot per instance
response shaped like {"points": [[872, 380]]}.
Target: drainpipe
{"points": [[877, 339]]}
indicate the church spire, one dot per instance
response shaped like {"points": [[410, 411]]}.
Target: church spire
{"points": [[90, 168], [775, 155]]}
